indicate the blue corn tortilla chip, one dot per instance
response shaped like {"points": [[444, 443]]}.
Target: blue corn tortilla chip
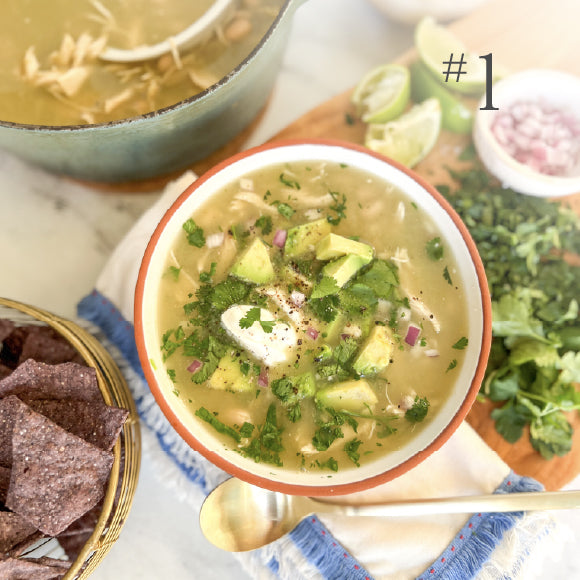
{"points": [[56, 476], [38, 380], [19, 343], [96, 423], [6, 328], [33, 568], [14, 529], [8, 408]]}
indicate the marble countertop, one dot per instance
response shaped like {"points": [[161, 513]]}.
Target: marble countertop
{"points": [[57, 234]]}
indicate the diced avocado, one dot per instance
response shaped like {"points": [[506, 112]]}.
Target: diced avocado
{"points": [[254, 264], [304, 238], [348, 396], [229, 376], [376, 352], [343, 269], [334, 246]]}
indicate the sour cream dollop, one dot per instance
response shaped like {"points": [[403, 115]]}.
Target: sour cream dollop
{"points": [[271, 348]]}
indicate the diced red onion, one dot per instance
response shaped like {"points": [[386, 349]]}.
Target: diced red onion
{"points": [[413, 333], [312, 333], [263, 377], [280, 238], [194, 366], [539, 136]]}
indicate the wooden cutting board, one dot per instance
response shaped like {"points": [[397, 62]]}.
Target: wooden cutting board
{"points": [[520, 34]]}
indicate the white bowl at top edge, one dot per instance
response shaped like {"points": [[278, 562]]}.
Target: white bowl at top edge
{"points": [[555, 87], [470, 270]]}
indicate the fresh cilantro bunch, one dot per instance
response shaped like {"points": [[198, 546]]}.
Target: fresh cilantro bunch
{"points": [[535, 360]]}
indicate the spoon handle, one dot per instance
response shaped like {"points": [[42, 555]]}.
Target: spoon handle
{"points": [[505, 502]]}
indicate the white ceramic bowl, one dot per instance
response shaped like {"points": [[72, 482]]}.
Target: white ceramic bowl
{"points": [[555, 87], [411, 11], [470, 272]]}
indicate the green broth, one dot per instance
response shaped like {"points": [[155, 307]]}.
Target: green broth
{"points": [[355, 207], [50, 73]]}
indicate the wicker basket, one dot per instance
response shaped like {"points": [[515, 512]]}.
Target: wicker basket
{"points": [[127, 451]]}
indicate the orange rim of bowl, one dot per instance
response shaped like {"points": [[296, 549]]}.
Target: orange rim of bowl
{"points": [[312, 490]]}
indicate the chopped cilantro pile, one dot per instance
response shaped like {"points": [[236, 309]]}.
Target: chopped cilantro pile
{"points": [[535, 360]]}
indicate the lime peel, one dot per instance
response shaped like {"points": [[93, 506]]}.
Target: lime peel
{"points": [[456, 116], [435, 44], [409, 138], [382, 94]]}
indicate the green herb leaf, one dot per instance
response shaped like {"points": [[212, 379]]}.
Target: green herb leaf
{"points": [[461, 343], [418, 411], [218, 425], [265, 224], [285, 210], [288, 181], [266, 446], [194, 233], [338, 207], [252, 316], [434, 249], [351, 449]]}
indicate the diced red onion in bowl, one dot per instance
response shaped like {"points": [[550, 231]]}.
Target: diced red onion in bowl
{"points": [[280, 238], [194, 366], [543, 137], [412, 335]]}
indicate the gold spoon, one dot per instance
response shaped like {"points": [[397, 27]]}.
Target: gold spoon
{"points": [[238, 517]]}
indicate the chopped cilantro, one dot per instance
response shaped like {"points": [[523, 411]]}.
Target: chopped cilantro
{"points": [[218, 425], [330, 463], [338, 207], [194, 233], [288, 181], [285, 210], [418, 411], [252, 316], [265, 224], [447, 276], [434, 249], [461, 343], [325, 308], [452, 365], [326, 286], [266, 446], [351, 449], [174, 272], [207, 276], [246, 429]]}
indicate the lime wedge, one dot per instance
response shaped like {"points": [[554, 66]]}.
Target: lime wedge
{"points": [[435, 45], [456, 116], [410, 137], [382, 94]]}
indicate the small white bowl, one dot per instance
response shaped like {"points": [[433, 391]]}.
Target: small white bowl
{"points": [[555, 87], [411, 11]]}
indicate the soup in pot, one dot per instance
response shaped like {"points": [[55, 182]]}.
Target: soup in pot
{"points": [[51, 74]]}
